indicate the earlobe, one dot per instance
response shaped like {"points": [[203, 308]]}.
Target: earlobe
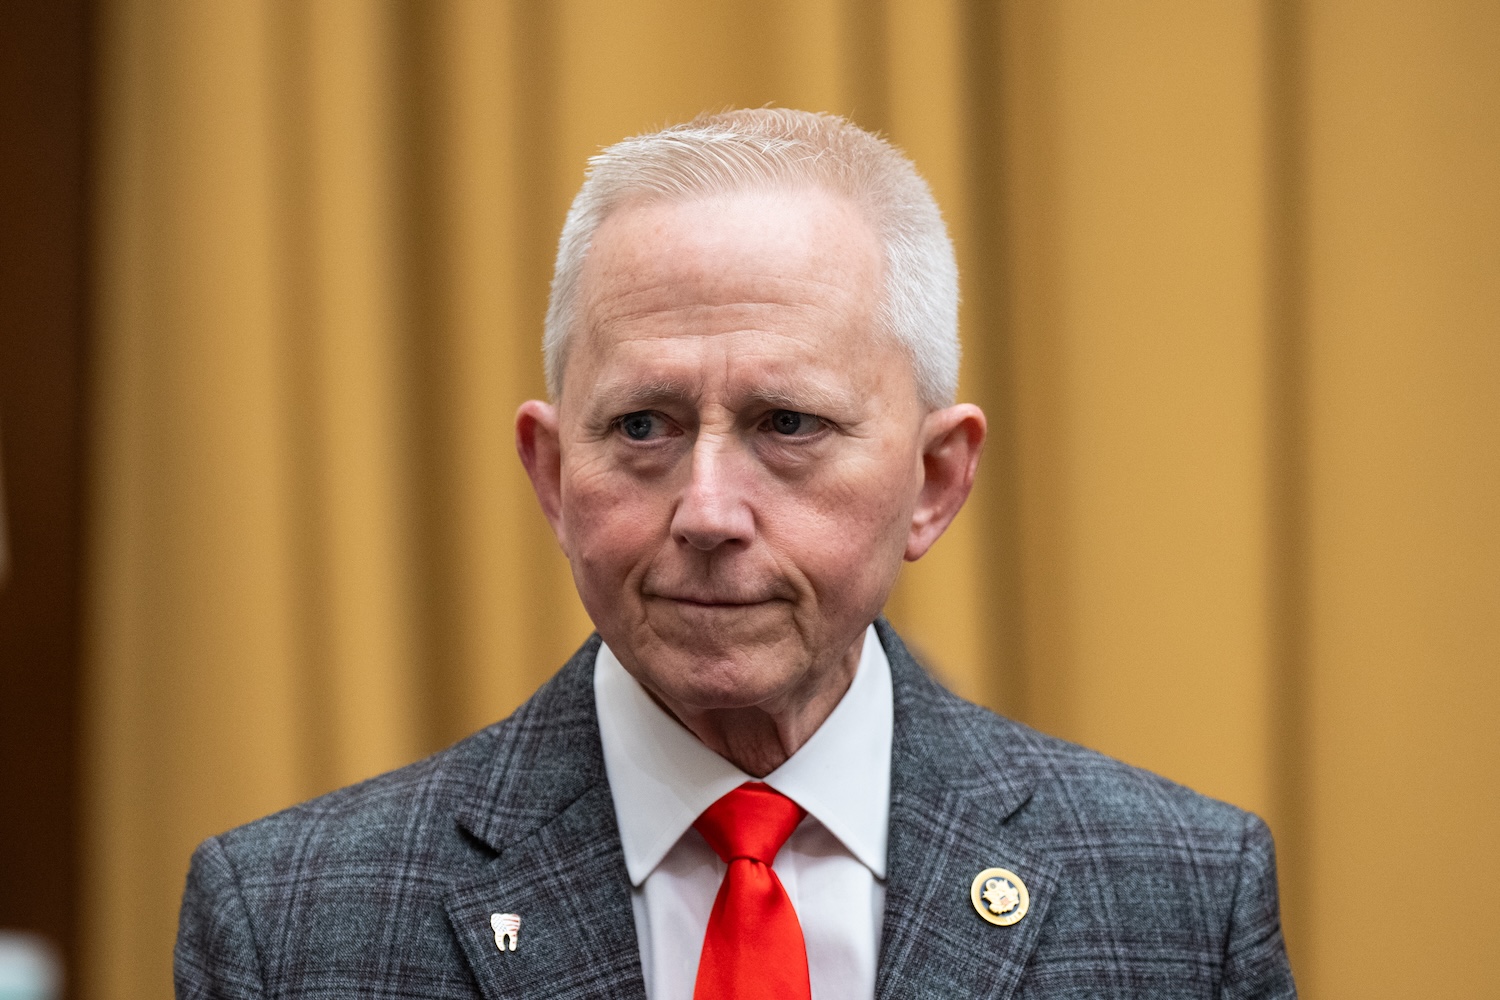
{"points": [[952, 439], [540, 446]]}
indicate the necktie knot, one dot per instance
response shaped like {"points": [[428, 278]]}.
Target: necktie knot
{"points": [[751, 822]]}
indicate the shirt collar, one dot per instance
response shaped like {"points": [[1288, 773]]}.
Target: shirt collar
{"points": [[662, 778]]}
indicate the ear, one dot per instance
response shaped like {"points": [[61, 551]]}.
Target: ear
{"points": [[540, 447], [952, 439]]}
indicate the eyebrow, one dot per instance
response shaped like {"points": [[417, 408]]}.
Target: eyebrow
{"points": [[625, 394], [806, 398]]}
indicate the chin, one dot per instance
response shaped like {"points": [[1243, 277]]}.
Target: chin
{"points": [[718, 683], [718, 665], [723, 631]]}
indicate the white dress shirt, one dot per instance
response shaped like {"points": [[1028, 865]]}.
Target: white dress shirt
{"points": [[833, 865]]}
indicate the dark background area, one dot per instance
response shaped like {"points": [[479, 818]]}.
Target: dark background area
{"points": [[43, 193]]}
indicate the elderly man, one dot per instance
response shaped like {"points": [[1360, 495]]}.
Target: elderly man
{"points": [[743, 785]]}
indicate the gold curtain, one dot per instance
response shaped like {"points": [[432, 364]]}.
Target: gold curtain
{"points": [[1230, 302]]}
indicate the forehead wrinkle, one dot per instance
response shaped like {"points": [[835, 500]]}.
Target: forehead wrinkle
{"points": [[667, 299]]}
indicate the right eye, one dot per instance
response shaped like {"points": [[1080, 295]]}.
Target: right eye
{"points": [[642, 425]]}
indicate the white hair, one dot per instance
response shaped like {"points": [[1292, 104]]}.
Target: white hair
{"points": [[773, 147]]}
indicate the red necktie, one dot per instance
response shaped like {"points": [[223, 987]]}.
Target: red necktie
{"points": [[753, 949]]}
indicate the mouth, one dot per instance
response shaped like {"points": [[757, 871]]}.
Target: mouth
{"points": [[704, 601], [723, 595]]}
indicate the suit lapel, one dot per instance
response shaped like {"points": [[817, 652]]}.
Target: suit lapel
{"points": [[947, 824], [568, 884], [543, 810]]}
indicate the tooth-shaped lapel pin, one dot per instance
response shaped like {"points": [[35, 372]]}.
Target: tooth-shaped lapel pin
{"points": [[507, 927]]}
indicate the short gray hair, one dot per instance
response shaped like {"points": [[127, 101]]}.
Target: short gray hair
{"points": [[772, 147]]}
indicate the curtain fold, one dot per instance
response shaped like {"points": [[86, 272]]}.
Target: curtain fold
{"points": [[1228, 302]]}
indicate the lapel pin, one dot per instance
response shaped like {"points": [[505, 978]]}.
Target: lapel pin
{"points": [[1000, 896], [507, 927]]}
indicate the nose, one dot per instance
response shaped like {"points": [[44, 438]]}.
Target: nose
{"points": [[714, 508]]}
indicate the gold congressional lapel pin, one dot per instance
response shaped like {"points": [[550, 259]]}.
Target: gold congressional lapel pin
{"points": [[507, 927], [1000, 896]]}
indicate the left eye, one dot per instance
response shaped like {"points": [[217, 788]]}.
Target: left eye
{"points": [[791, 423]]}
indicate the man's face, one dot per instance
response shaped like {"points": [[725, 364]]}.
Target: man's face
{"points": [[740, 446]]}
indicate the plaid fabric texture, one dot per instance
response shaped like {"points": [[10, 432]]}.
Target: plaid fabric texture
{"points": [[1138, 887]]}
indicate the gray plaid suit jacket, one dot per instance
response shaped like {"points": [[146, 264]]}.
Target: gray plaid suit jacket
{"points": [[1139, 887]]}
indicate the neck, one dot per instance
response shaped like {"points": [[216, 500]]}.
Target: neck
{"points": [[760, 738]]}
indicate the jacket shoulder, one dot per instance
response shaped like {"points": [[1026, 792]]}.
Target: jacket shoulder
{"points": [[982, 750], [1101, 790], [418, 802], [373, 813]]}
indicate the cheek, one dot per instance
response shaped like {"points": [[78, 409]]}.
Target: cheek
{"points": [[611, 521], [848, 535]]}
